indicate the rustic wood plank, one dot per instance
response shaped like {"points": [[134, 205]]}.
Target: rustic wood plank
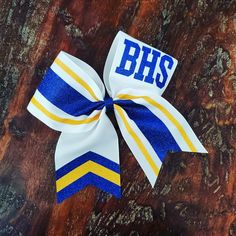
{"points": [[194, 194]]}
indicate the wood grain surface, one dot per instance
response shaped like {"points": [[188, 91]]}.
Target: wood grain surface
{"points": [[194, 194]]}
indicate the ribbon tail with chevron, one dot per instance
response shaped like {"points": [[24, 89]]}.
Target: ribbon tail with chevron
{"points": [[87, 162], [70, 99]]}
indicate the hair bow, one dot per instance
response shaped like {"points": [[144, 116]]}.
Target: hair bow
{"points": [[71, 99]]}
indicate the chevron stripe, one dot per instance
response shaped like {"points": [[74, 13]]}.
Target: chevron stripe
{"points": [[89, 179], [105, 170], [89, 156], [85, 168]]}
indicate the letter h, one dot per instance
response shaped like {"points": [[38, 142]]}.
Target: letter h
{"points": [[149, 64]]}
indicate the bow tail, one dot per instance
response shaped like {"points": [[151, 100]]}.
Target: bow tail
{"points": [[138, 144], [88, 158], [152, 128]]}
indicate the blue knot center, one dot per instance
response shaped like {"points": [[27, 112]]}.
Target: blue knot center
{"points": [[108, 102]]}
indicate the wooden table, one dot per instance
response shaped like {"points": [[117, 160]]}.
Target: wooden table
{"points": [[195, 194]]}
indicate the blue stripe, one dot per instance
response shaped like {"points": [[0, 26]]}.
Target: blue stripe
{"points": [[152, 127], [63, 96], [84, 158], [89, 179]]}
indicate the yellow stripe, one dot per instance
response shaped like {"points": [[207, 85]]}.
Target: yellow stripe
{"points": [[36, 103], [137, 140], [75, 77], [82, 170], [167, 114]]}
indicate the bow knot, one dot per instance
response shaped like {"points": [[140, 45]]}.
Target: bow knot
{"points": [[109, 104]]}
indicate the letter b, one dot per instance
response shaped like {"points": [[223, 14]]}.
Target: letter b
{"points": [[127, 57]]}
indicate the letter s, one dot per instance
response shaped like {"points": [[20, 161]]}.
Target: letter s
{"points": [[163, 69]]}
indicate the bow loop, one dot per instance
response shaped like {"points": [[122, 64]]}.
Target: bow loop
{"points": [[70, 97], [133, 64]]}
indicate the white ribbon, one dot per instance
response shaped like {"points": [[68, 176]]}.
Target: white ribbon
{"points": [[71, 99]]}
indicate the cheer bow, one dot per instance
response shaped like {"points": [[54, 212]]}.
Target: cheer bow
{"points": [[71, 99]]}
